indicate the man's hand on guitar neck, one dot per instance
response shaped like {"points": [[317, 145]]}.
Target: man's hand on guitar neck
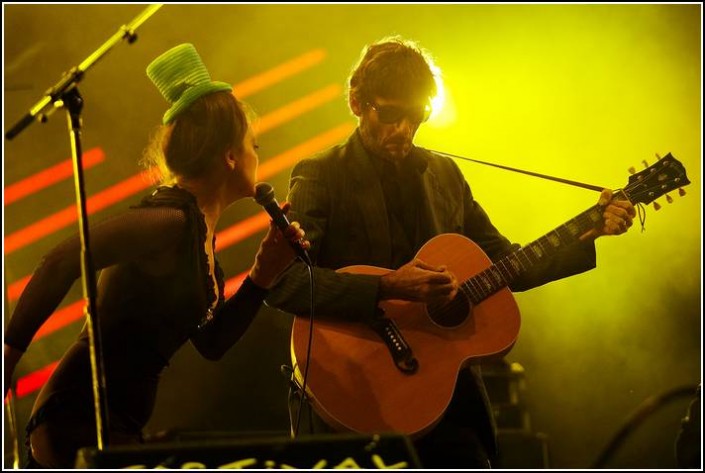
{"points": [[419, 282], [617, 216]]}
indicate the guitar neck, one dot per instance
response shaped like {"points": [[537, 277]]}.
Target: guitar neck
{"points": [[507, 269]]}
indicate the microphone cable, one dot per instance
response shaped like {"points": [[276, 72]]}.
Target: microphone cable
{"points": [[264, 195], [308, 353]]}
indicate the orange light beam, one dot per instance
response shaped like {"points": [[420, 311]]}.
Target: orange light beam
{"points": [[35, 380], [49, 176], [309, 147], [298, 107], [15, 289], [65, 217], [279, 73], [60, 319]]}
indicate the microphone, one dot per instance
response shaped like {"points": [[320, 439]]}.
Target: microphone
{"points": [[264, 196]]}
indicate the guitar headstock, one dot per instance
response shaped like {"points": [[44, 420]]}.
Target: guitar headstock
{"points": [[663, 176]]}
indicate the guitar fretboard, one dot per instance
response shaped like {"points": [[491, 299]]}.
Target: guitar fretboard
{"points": [[504, 271]]}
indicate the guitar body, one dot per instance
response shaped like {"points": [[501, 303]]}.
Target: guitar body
{"points": [[353, 382]]}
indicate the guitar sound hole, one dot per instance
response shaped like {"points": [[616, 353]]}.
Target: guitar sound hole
{"points": [[450, 315]]}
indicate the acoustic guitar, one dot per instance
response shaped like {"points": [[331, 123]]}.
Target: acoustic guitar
{"points": [[397, 371]]}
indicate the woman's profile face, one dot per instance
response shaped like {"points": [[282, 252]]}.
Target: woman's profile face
{"points": [[247, 162]]}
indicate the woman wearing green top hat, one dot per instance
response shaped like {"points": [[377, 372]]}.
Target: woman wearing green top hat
{"points": [[161, 284]]}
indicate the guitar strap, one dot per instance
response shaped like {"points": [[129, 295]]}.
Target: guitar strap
{"points": [[530, 173]]}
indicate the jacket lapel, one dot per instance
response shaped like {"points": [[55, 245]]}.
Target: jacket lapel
{"points": [[370, 200], [433, 201]]}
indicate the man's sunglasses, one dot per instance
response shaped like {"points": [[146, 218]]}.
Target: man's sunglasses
{"points": [[393, 114]]}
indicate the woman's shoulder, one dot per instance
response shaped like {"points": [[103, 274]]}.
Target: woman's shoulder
{"points": [[169, 196], [175, 208]]}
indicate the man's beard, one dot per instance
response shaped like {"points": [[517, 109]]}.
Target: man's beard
{"points": [[377, 147]]}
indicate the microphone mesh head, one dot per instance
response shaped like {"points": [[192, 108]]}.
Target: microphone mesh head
{"points": [[264, 193]]}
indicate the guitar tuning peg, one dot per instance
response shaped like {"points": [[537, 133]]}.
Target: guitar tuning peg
{"points": [[656, 206], [669, 199], [657, 156], [646, 165], [681, 192], [631, 170]]}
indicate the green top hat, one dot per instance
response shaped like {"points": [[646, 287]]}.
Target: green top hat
{"points": [[181, 77]]}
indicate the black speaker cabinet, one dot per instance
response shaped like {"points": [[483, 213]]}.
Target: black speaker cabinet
{"points": [[306, 452]]}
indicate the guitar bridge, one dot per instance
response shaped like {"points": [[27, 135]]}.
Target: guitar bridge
{"points": [[399, 349]]}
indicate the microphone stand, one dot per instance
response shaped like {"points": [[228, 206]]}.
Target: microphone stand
{"points": [[10, 412], [65, 94]]}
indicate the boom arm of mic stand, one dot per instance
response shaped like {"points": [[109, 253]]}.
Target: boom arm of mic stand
{"points": [[71, 78]]}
